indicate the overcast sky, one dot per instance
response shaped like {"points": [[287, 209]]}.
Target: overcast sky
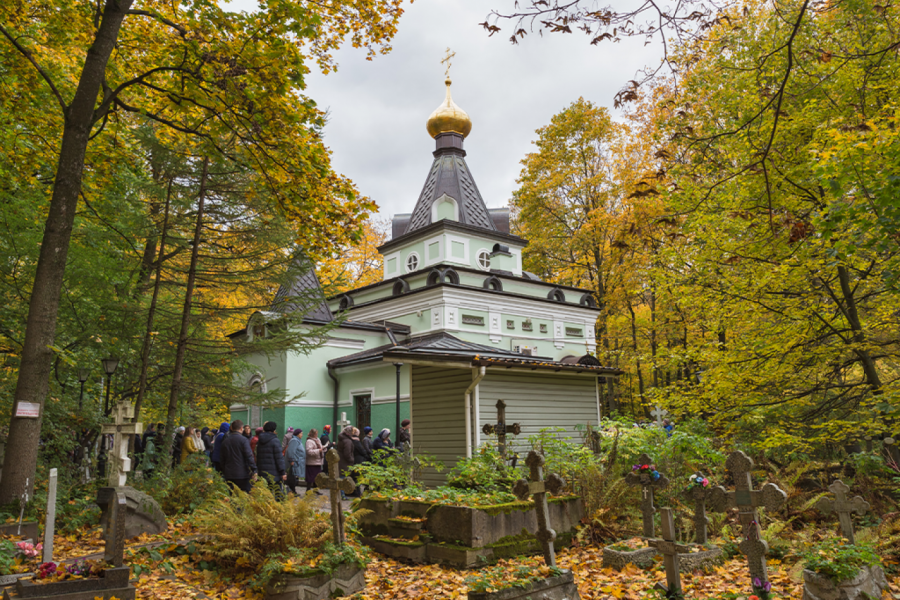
{"points": [[378, 109]]}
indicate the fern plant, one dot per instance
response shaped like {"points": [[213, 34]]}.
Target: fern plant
{"points": [[245, 530]]}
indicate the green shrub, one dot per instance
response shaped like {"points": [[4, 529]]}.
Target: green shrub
{"points": [[187, 488], [486, 471], [839, 560], [391, 471]]}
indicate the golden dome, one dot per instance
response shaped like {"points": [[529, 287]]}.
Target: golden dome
{"points": [[448, 117]]}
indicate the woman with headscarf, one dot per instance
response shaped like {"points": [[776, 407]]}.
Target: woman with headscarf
{"points": [[383, 441], [315, 456], [295, 453]]}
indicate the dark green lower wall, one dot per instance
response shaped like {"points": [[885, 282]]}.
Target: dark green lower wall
{"points": [[307, 417]]}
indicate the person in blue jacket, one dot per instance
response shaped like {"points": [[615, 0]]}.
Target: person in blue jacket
{"points": [[216, 455]]}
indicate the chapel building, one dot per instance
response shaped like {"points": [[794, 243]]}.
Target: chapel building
{"points": [[454, 326]]}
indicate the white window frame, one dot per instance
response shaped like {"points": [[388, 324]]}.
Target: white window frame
{"points": [[478, 259], [418, 262]]}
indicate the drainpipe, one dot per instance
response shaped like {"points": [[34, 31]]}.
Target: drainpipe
{"points": [[335, 414], [477, 376]]}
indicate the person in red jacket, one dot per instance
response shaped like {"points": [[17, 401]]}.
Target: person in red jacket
{"points": [[255, 440]]}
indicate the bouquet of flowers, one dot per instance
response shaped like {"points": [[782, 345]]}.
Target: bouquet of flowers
{"points": [[697, 480], [29, 550], [646, 470]]}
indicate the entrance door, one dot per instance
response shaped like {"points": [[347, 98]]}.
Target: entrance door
{"points": [[363, 405]]}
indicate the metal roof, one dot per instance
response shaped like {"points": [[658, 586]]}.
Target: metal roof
{"points": [[450, 175], [304, 293], [444, 347]]}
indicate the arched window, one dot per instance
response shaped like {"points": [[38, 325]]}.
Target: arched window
{"points": [[588, 300], [484, 260], [556, 295], [492, 283], [451, 276], [400, 287]]}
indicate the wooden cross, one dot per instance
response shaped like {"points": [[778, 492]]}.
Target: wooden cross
{"points": [[538, 488], [647, 484], [669, 548], [501, 428], [336, 484], [700, 495], [121, 429], [844, 507], [747, 500], [446, 59]]}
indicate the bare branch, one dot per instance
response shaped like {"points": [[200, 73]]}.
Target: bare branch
{"points": [[28, 54]]}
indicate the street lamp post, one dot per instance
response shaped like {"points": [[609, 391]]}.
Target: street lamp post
{"points": [[109, 366], [399, 365], [82, 377]]}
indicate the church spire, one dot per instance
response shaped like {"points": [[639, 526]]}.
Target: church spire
{"points": [[450, 191]]}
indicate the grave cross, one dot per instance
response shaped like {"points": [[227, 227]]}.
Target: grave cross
{"points": [[121, 429], [501, 428], [700, 495], [336, 484], [644, 479], [114, 551], [669, 548], [746, 500], [342, 423], [843, 506], [659, 414], [538, 488]]}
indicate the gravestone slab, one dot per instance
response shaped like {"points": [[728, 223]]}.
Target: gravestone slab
{"points": [[346, 580], [27, 531], [142, 514]]}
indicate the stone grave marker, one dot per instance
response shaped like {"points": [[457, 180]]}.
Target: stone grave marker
{"points": [[700, 496], [659, 413], [501, 428], [669, 548], [114, 550], [335, 484], [50, 523], [538, 488], [746, 500], [343, 422], [122, 428], [844, 507], [648, 482]]}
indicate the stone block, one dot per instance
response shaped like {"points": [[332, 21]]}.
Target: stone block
{"points": [[29, 531], [412, 551], [617, 559], [869, 583], [690, 561], [483, 526], [561, 587], [457, 556], [143, 513], [114, 583], [346, 580], [376, 523]]}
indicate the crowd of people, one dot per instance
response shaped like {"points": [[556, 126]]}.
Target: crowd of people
{"points": [[242, 455]]}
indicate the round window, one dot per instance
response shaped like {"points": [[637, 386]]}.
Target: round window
{"points": [[412, 262], [484, 260]]}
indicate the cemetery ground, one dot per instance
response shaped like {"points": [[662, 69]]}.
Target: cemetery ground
{"points": [[215, 546]]}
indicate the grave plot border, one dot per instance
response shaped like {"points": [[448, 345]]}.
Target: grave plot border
{"points": [[646, 557], [345, 580], [114, 582], [30, 530], [560, 587]]}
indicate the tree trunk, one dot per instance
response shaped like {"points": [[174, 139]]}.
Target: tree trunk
{"points": [[32, 386], [188, 300], [637, 357], [151, 313]]}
